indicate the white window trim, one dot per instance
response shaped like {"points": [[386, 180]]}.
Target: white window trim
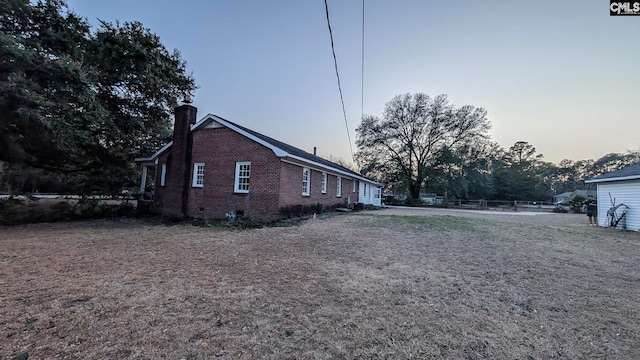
{"points": [[306, 190], [338, 186], [324, 182], [353, 185], [194, 182], [236, 185], [163, 174]]}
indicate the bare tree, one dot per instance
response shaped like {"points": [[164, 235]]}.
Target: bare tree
{"points": [[415, 135]]}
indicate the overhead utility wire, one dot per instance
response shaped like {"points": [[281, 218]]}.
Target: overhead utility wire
{"points": [[362, 67], [335, 63]]}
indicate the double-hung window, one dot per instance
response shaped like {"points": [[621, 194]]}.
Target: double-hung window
{"points": [[324, 183], [339, 187], [353, 185], [243, 173], [198, 175], [306, 181]]}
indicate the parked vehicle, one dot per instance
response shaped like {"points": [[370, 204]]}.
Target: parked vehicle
{"points": [[562, 207]]}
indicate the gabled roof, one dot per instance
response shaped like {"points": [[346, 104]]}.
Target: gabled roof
{"points": [[280, 149], [631, 172]]}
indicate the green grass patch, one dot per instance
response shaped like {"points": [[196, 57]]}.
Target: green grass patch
{"points": [[439, 222]]}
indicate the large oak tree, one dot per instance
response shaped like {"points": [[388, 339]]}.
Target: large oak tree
{"points": [[415, 136], [77, 101]]}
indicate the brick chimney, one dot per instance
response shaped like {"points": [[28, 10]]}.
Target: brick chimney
{"points": [[179, 163]]}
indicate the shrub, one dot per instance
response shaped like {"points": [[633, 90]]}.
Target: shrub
{"points": [[576, 204]]}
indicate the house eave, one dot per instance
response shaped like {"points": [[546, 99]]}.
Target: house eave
{"points": [[301, 161], [621, 178], [210, 117], [284, 155], [155, 155]]}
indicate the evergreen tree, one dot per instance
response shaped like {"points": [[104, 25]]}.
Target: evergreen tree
{"points": [[83, 103]]}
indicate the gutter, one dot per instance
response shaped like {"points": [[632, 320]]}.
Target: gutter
{"points": [[623, 178]]}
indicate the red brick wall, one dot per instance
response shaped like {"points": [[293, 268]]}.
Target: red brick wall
{"points": [[220, 149], [274, 184], [291, 188]]}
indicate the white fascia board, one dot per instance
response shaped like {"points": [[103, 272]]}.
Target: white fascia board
{"points": [[155, 155], [276, 150], [323, 167], [200, 122], [623, 178]]}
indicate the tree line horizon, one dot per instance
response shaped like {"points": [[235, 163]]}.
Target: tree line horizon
{"points": [[427, 144]]}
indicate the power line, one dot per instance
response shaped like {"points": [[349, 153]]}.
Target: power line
{"points": [[362, 68], [335, 63]]}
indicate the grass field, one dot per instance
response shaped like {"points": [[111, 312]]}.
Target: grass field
{"points": [[383, 284]]}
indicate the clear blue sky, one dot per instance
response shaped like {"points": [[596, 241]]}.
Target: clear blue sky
{"points": [[562, 75]]}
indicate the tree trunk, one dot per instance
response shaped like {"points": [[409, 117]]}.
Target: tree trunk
{"points": [[414, 190]]}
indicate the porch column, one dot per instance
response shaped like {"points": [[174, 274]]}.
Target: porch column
{"points": [[143, 180]]}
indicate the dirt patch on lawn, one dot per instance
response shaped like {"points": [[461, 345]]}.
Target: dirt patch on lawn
{"points": [[380, 284]]}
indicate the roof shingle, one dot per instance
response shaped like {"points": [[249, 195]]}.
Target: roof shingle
{"points": [[629, 172]]}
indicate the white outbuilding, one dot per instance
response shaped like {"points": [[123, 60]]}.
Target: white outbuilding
{"points": [[616, 188]]}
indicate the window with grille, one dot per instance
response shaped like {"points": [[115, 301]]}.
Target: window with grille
{"points": [[243, 174], [339, 187], [198, 175], [306, 181], [324, 183]]}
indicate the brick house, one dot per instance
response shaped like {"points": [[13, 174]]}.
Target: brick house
{"points": [[214, 167]]}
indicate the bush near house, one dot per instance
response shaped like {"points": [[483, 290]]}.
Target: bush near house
{"points": [[577, 203]]}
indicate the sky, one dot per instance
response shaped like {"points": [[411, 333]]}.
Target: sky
{"points": [[561, 75]]}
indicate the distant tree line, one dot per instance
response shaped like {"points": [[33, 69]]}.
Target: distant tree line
{"points": [[76, 105], [422, 144]]}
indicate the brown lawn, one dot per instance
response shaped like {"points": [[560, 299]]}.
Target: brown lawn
{"points": [[392, 283]]}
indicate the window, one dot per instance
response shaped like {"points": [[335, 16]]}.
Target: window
{"points": [[376, 194], [243, 172], [324, 183], [353, 185], [339, 187], [306, 181], [163, 174], [198, 175]]}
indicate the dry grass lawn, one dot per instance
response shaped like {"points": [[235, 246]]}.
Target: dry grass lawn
{"points": [[392, 283]]}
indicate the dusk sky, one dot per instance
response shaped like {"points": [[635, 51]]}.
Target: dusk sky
{"points": [[562, 75]]}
